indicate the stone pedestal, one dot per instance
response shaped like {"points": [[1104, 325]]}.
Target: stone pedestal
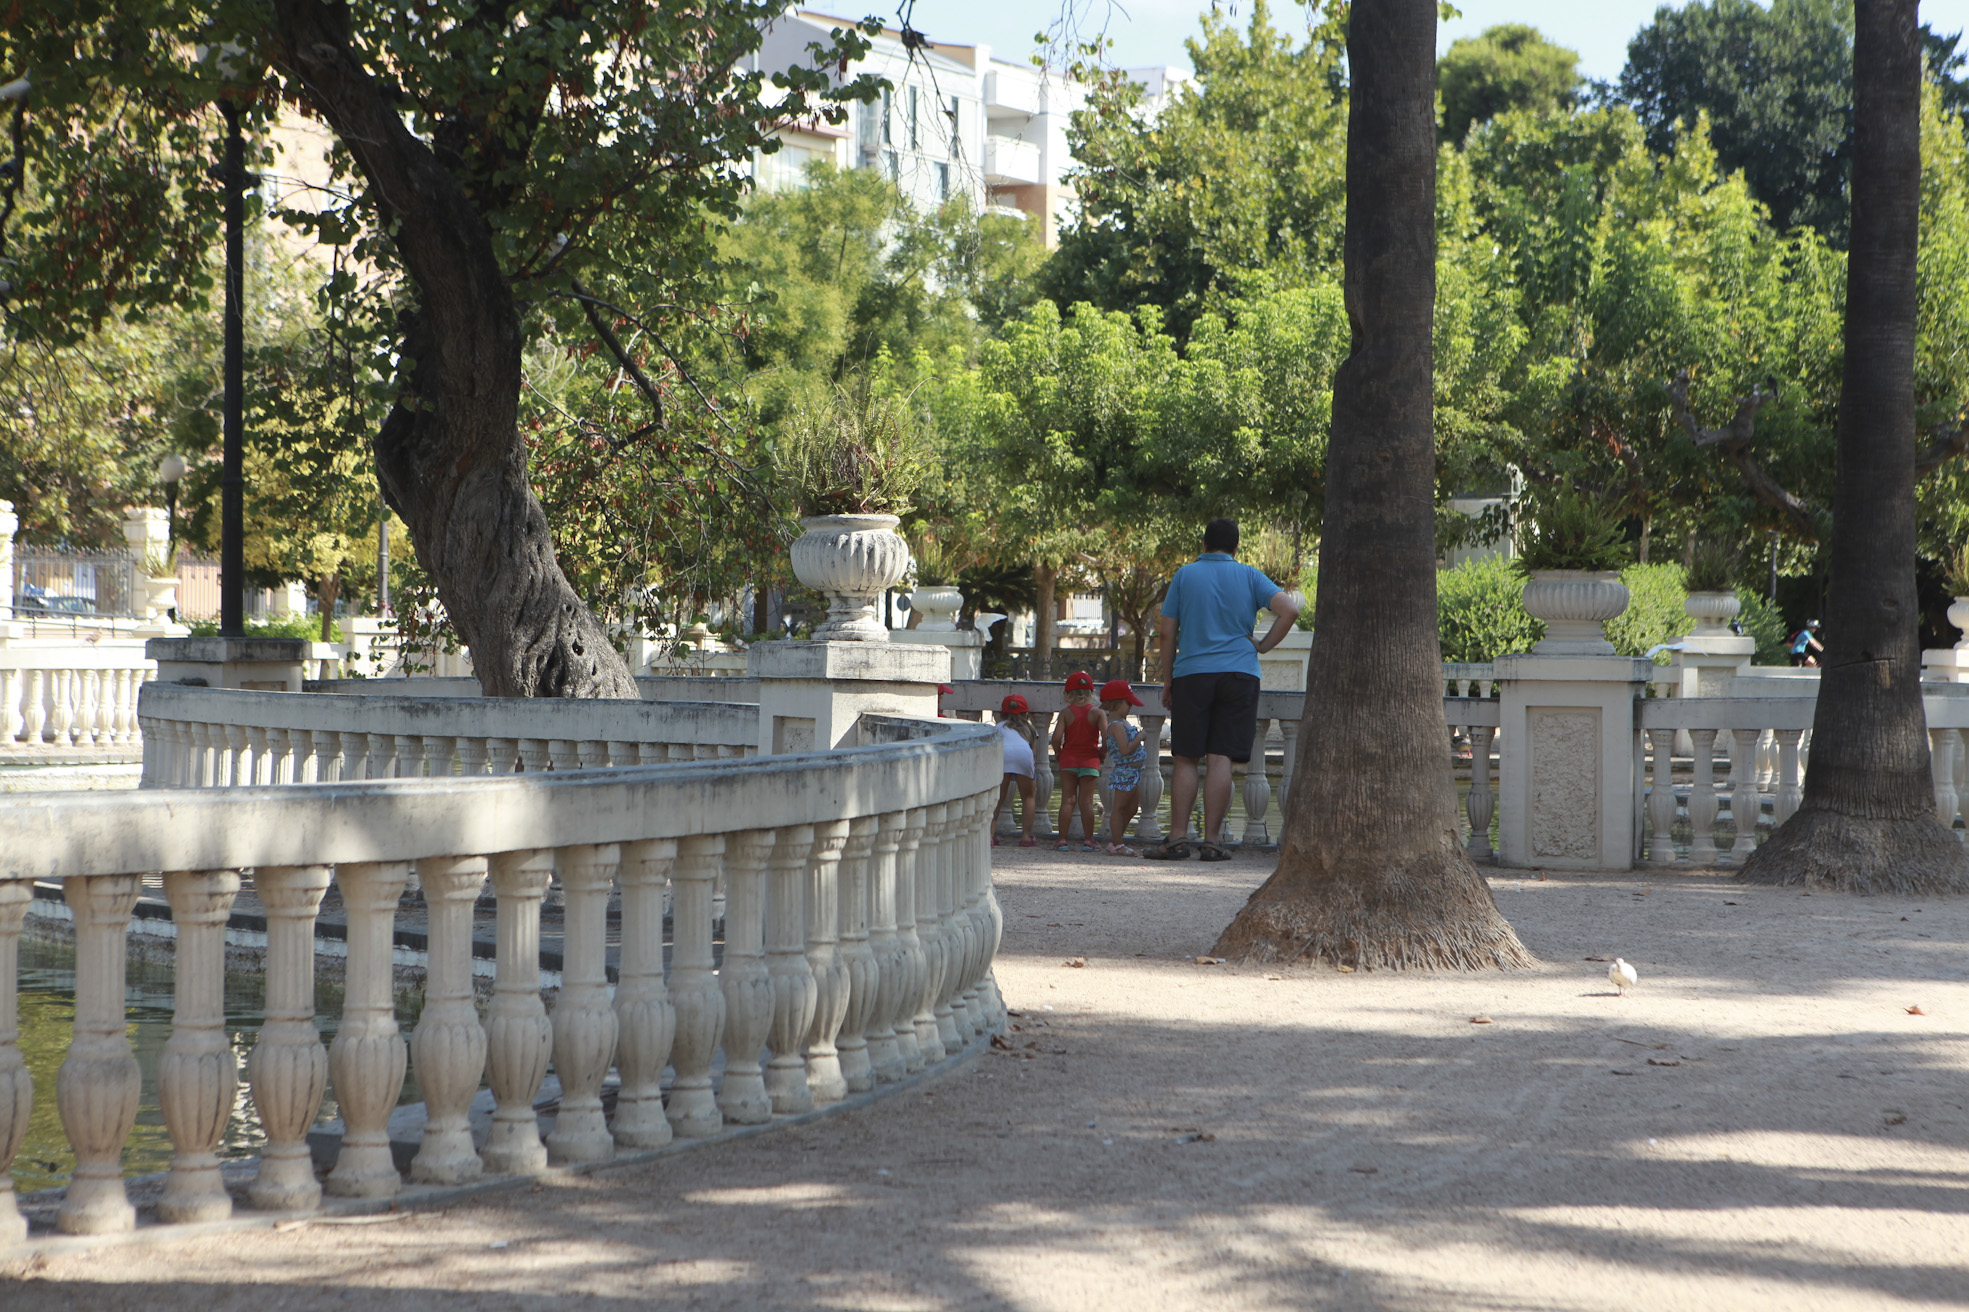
{"points": [[261, 664], [965, 645], [1283, 668], [1708, 661], [1945, 665], [1569, 779], [811, 694]]}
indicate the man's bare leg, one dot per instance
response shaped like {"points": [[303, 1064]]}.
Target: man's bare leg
{"points": [[1182, 794], [1216, 797]]}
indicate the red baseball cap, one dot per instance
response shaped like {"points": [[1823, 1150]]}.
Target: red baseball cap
{"points": [[1079, 679], [1013, 705], [1117, 690], [944, 690]]}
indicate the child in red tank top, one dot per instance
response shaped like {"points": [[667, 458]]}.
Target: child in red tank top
{"points": [[1077, 739]]}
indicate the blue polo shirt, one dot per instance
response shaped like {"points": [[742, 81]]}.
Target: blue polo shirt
{"points": [[1213, 599]]}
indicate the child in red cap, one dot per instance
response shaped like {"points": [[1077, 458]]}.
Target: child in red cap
{"points": [[1131, 753], [1077, 739], [1016, 730]]}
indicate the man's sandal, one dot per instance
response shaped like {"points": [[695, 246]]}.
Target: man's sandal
{"points": [[1176, 850], [1211, 852]]}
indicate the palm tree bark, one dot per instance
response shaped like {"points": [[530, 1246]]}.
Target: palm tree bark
{"points": [[1867, 822], [450, 453], [1371, 873]]}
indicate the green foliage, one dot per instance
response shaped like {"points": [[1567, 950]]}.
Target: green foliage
{"points": [[1510, 66], [1480, 612], [851, 451], [1712, 568], [305, 627], [1654, 613], [1760, 620], [1564, 528]]}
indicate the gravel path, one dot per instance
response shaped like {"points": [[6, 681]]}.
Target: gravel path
{"points": [[1765, 1122]]}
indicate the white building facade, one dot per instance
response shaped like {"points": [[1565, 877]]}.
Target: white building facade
{"points": [[958, 121]]}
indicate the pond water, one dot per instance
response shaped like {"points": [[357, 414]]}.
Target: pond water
{"points": [[47, 1013]]}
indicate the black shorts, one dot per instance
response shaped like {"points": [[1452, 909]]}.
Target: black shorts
{"points": [[1214, 714]]}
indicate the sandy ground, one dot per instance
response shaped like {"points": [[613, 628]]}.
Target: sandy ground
{"points": [[1765, 1122]]}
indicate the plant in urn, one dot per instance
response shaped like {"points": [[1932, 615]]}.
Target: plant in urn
{"points": [[1571, 548], [1712, 601], [1957, 581], [852, 459], [935, 596]]}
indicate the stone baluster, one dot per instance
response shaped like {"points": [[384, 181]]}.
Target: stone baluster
{"points": [[355, 757], [651, 753], [950, 930], [615, 752], [584, 1020], [327, 756], [239, 755], [795, 991], [1790, 793], [518, 1037], [382, 756], [592, 753], [61, 703], [448, 1046], [88, 704], [500, 754], [127, 683], [16, 1085], [10, 715], [1767, 761], [533, 755], [695, 992], [858, 959], [409, 751], [1257, 791], [977, 920], [197, 1081], [367, 1059], [909, 941], [300, 756], [182, 756], [1942, 768], [748, 988], [288, 1067], [281, 766], [97, 1087], [1747, 802], [825, 1081], [891, 963], [153, 766], [34, 713], [995, 933], [1661, 799], [438, 751], [1042, 775], [562, 755], [646, 1023], [929, 874], [258, 765], [1702, 799], [1289, 730], [1148, 821], [200, 766], [1481, 804], [471, 757]]}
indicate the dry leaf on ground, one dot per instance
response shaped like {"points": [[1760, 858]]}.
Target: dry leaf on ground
{"points": [[1075, 962], [1481, 1020], [1208, 961], [1916, 1011]]}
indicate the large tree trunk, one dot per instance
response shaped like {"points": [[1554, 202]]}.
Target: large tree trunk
{"points": [[1371, 872], [1045, 581], [1867, 824], [450, 454]]}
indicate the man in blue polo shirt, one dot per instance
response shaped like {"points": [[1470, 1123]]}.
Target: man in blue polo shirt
{"points": [[1211, 687]]}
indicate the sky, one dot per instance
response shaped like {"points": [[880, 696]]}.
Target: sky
{"points": [[1151, 32]]}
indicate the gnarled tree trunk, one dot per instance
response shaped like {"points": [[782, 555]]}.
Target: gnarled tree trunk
{"points": [[1045, 582], [450, 454], [1867, 824], [1371, 873]]}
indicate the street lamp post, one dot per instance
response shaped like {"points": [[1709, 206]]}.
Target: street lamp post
{"points": [[232, 483]]}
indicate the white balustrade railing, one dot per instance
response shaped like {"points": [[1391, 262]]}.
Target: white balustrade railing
{"points": [[71, 695], [859, 932], [212, 737]]}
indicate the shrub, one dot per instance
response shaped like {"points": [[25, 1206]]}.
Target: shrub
{"points": [[293, 626], [1480, 612], [1654, 611], [1761, 621], [1569, 529]]}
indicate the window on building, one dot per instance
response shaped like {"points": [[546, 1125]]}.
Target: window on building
{"points": [[943, 182], [888, 109], [915, 124], [894, 166]]}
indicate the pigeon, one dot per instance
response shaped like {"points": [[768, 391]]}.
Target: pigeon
{"points": [[1622, 976]]}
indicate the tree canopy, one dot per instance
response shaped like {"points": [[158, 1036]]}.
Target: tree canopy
{"points": [[1510, 66]]}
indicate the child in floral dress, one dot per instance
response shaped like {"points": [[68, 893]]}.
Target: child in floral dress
{"points": [[1129, 750]]}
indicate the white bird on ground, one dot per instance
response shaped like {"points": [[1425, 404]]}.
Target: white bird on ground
{"points": [[1622, 976]]}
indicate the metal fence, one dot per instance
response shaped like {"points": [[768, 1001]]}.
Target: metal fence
{"points": [[1102, 663], [50, 582]]}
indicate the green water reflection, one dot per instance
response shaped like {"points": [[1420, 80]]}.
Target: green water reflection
{"points": [[47, 1012]]}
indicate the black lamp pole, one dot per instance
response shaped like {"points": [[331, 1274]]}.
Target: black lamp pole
{"points": [[232, 486]]}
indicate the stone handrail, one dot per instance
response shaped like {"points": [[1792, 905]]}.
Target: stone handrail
{"points": [[859, 931], [203, 737], [71, 695]]}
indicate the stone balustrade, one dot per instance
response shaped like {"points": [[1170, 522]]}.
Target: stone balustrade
{"points": [[215, 737], [71, 695], [858, 936]]}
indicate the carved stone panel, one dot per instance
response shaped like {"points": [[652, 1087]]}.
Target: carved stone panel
{"points": [[1565, 784]]}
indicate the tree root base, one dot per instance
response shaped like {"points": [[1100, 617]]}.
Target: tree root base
{"points": [[1428, 912], [1824, 849]]}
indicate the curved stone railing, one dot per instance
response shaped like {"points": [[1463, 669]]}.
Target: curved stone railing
{"points": [[56, 696], [859, 932], [214, 737]]}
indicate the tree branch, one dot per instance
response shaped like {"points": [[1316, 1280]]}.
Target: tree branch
{"points": [[1735, 441], [591, 308]]}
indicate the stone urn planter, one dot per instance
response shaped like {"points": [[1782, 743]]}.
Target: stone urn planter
{"points": [[160, 595], [1712, 611], [938, 603], [1958, 615], [853, 560], [1575, 605]]}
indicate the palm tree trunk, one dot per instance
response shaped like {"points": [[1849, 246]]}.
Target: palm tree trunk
{"points": [[1371, 872], [1867, 823]]}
